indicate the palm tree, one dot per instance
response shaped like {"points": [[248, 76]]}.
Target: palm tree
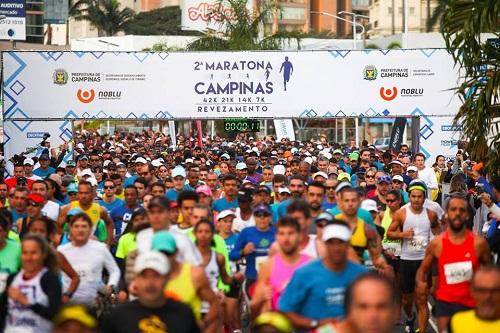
{"points": [[436, 15], [241, 30], [463, 22], [105, 15]]}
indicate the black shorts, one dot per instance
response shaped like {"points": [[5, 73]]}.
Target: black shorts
{"points": [[234, 291], [408, 273], [445, 309]]}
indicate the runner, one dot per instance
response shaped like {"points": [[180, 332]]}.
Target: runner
{"points": [[414, 225], [276, 272], [458, 253]]}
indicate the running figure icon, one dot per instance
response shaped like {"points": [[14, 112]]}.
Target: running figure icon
{"points": [[287, 69]]}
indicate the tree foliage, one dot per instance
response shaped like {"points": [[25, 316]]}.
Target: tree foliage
{"points": [[105, 15], [162, 21], [240, 29], [463, 22]]}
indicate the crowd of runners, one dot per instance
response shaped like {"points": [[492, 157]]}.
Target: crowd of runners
{"points": [[134, 233]]}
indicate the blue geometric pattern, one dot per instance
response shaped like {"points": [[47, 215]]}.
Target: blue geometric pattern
{"points": [[17, 87], [22, 66], [20, 124], [308, 114], [54, 55], [141, 56], [336, 53]]}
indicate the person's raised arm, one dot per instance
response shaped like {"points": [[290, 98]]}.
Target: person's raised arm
{"points": [[62, 218]]}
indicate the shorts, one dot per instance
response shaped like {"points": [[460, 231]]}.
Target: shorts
{"points": [[408, 273], [446, 309], [234, 291]]}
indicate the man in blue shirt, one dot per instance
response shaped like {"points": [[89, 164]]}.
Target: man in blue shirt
{"points": [[109, 199], [45, 169], [179, 180], [253, 243], [315, 294], [230, 200], [122, 214]]}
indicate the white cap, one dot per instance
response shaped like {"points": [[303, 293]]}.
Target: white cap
{"points": [[398, 177], [308, 160], [225, 213], [152, 260], [411, 168], [369, 205], [92, 181], [141, 160], [28, 161], [156, 163], [87, 172], [189, 160], [178, 171], [250, 138], [338, 231], [255, 149], [80, 146], [322, 174], [106, 163], [279, 169], [241, 166], [283, 190], [225, 155]]}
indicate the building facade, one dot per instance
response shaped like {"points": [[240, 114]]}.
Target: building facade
{"points": [[387, 18], [323, 23]]}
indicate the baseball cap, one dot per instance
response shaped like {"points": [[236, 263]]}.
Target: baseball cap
{"points": [[384, 179], [164, 241], [82, 157], [189, 160], [342, 185], [159, 201], [338, 231], [76, 313], [283, 190], [28, 161], [70, 163], [417, 184], [204, 189], [152, 260], [322, 174], [92, 181], [343, 175], [241, 166], [262, 209], [412, 168], [141, 160], [224, 214], [37, 198], [87, 172], [369, 205], [71, 188], [179, 171], [44, 157], [226, 156], [353, 156], [156, 163], [337, 151], [324, 216], [398, 162], [274, 319], [398, 177], [245, 194]]}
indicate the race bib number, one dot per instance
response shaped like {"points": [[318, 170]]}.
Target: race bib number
{"points": [[392, 247], [3, 281], [19, 330], [84, 271], [259, 261], [458, 272], [417, 243]]}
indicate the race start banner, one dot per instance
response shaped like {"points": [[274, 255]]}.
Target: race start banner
{"points": [[13, 26], [63, 86]]}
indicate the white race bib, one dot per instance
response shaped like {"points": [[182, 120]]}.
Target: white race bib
{"points": [[417, 243], [393, 247], [3, 281], [259, 261], [458, 272], [84, 271]]}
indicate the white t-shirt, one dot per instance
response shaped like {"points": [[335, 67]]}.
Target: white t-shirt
{"points": [[51, 210], [428, 176], [311, 249], [186, 251], [239, 224], [89, 261]]}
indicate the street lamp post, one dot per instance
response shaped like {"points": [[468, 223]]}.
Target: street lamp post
{"points": [[354, 24]]}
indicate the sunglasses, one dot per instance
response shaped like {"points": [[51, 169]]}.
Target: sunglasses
{"points": [[33, 204], [94, 159], [109, 187], [390, 200], [261, 214], [330, 187], [370, 176], [142, 174]]}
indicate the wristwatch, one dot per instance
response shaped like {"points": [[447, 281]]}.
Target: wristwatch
{"points": [[67, 293], [314, 324]]}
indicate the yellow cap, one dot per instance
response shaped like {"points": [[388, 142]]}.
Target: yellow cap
{"points": [[275, 320], [77, 313]]}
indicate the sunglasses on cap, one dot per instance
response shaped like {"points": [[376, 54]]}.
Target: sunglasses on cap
{"points": [[33, 204]]}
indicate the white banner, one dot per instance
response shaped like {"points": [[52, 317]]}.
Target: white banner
{"points": [[204, 14], [284, 129], [171, 132]]}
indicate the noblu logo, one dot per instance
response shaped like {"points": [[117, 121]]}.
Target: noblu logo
{"points": [[388, 94], [85, 96]]}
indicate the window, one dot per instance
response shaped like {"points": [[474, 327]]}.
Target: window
{"points": [[375, 24], [412, 10], [389, 10], [400, 10]]}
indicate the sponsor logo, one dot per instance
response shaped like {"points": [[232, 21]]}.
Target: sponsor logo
{"points": [[449, 143], [394, 72], [60, 77], [451, 128], [412, 92], [85, 96], [370, 73], [35, 135], [86, 77], [388, 94]]}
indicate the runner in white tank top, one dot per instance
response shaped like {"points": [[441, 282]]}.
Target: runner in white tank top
{"points": [[414, 248]]}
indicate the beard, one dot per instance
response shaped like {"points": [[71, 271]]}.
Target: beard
{"points": [[455, 227]]}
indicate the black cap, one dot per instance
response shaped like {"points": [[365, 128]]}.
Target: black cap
{"points": [[44, 157], [263, 188], [245, 194]]}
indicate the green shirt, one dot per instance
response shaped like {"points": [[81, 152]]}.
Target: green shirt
{"points": [[126, 244], [13, 236], [10, 257]]}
